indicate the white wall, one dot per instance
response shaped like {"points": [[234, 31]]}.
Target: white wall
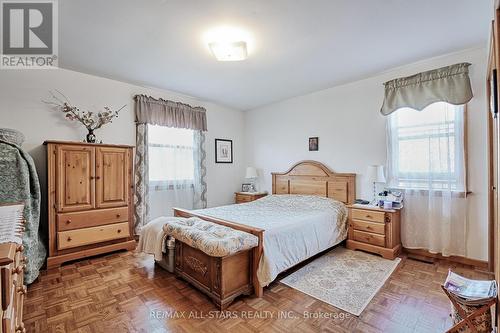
{"points": [[352, 135], [21, 108]]}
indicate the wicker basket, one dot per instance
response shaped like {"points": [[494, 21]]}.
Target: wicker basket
{"points": [[11, 136]]}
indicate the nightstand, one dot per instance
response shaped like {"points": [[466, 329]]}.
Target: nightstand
{"points": [[241, 197], [375, 230]]}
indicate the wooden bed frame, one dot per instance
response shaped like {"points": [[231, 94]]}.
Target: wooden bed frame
{"points": [[306, 177]]}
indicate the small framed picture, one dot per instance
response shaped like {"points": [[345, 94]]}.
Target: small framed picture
{"points": [[314, 144], [246, 188], [223, 151]]}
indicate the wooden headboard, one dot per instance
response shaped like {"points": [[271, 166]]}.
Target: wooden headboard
{"points": [[315, 178]]}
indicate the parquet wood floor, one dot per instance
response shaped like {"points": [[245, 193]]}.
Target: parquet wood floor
{"points": [[126, 292]]}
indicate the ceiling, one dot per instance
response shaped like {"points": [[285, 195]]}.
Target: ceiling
{"points": [[299, 46]]}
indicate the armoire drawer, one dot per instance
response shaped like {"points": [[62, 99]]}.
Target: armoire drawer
{"points": [[92, 218], [365, 237], [80, 237]]}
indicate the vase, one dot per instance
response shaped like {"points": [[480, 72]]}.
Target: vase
{"points": [[91, 136]]}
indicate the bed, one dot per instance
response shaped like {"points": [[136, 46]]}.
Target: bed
{"points": [[296, 222]]}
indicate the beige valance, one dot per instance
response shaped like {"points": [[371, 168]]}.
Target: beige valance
{"points": [[149, 110], [449, 84]]}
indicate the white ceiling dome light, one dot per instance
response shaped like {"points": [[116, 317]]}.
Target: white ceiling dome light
{"points": [[229, 51], [228, 43]]}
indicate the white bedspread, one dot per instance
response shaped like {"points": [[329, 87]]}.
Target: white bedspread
{"points": [[296, 228]]}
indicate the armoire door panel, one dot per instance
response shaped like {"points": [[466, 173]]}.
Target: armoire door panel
{"points": [[112, 179], [75, 181]]}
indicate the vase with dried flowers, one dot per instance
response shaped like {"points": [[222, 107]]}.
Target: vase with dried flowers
{"points": [[91, 120]]}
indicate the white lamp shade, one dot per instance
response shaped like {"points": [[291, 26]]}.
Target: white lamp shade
{"points": [[376, 174], [251, 173]]}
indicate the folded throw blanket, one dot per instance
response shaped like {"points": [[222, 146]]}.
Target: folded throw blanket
{"points": [[152, 238]]}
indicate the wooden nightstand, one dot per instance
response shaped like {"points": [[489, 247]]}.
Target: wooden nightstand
{"points": [[375, 230], [241, 197]]}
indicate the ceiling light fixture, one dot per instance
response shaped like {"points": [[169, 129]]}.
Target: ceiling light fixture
{"points": [[228, 43], [229, 51]]}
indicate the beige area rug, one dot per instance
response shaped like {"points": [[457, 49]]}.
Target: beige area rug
{"points": [[343, 278]]}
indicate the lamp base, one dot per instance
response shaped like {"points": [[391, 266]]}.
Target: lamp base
{"points": [[374, 202]]}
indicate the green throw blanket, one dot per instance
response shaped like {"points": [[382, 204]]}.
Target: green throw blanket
{"points": [[19, 183]]}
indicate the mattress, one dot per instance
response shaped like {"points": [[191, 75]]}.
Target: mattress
{"points": [[297, 227]]}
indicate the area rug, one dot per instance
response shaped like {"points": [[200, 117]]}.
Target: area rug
{"points": [[343, 278]]}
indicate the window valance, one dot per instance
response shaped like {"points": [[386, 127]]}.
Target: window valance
{"points": [[149, 110], [449, 84]]}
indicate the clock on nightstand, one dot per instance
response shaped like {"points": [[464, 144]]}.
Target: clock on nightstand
{"points": [[241, 197], [375, 230]]}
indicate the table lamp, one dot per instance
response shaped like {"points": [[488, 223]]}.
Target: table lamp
{"points": [[376, 175], [252, 175]]}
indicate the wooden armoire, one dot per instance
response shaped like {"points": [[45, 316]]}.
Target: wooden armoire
{"points": [[90, 200]]}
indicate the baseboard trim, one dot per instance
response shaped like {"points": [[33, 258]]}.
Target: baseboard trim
{"points": [[425, 255]]}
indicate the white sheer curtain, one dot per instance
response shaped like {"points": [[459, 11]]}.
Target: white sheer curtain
{"points": [[426, 159], [176, 169]]}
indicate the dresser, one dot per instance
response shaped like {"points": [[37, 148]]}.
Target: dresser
{"points": [[90, 193], [12, 267], [242, 197], [374, 230]]}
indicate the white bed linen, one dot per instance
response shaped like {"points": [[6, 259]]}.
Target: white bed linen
{"points": [[296, 228]]}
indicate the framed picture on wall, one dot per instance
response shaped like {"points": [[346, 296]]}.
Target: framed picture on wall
{"points": [[223, 151], [314, 144]]}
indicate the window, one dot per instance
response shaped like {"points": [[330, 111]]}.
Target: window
{"points": [[170, 155], [426, 148]]}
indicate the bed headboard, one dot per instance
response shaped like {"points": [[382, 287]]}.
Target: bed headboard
{"points": [[315, 178]]}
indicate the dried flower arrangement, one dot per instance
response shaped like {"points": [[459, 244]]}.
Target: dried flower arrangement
{"points": [[91, 120]]}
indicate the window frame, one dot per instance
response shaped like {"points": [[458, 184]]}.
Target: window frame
{"points": [[455, 192], [171, 184]]}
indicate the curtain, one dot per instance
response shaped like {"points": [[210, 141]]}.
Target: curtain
{"points": [[426, 159], [449, 84], [162, 112], [141, 197], [155, 198], [200, 171]]}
